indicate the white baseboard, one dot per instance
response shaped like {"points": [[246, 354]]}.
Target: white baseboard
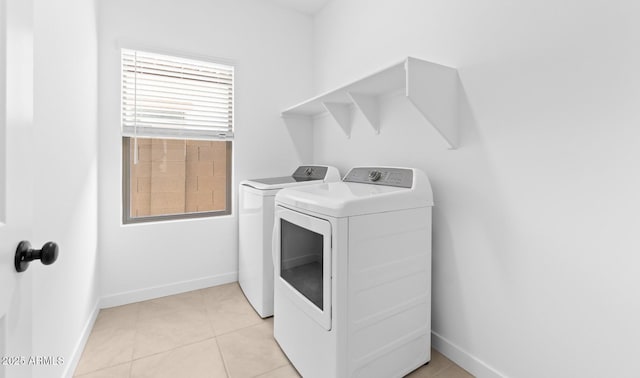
{"points": [[72, 364], [164, 290], [463, 358]]}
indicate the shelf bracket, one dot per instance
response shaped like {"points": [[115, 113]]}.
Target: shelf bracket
{"points": [[433, 90], [368, 106], [341, 114]]}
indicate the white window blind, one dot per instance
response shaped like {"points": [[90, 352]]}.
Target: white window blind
{"points": [[165, 96]]}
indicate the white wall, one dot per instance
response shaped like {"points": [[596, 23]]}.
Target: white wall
{"points": [[65, 294], [536, 266], [270, 47]]}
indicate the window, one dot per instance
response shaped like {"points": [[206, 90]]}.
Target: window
{"points": [[177, 132]]}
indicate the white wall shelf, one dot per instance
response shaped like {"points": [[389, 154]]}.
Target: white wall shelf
{"points": [[431, 88]]}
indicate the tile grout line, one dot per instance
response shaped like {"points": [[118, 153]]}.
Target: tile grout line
{"points": [[204, 307], [452, 366], [169, 350], [443, 368], [108, 366], [274, 369], [224, 362], [260, 321], [101, 369], [130, 360], [201, 305], [133, 359], [135, 336]]}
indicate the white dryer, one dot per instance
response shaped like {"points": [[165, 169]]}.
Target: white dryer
{"points": [[353, 274], [255, 266]]}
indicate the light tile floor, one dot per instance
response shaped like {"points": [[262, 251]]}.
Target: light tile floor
{"points": [[212, 332]]}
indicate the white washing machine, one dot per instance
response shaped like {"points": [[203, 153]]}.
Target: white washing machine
{"points": [[353, 274], [255, 266]]}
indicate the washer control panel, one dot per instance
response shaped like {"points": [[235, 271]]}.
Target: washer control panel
{"points": [[401, 177], [309, 172]]}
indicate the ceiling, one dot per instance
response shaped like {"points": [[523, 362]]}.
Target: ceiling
{"points": [[309, 7]]}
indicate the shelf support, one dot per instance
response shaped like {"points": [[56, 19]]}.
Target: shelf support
{"points": [[433, 90], [369, 107], [341, 114]]}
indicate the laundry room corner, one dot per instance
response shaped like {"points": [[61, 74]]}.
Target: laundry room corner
{"points": [[145, 260]]}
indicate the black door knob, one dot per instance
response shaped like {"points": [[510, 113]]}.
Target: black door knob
{"points": [[24, 255]]}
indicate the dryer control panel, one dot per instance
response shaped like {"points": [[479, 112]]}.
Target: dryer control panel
{"points": [[401, 177]]}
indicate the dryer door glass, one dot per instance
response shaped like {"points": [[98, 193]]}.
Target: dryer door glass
{"points": [[301, 261]]}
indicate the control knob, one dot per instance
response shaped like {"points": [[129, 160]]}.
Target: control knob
{"points": [[375, 175]]}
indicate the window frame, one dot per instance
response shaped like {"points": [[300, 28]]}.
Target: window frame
{"points": [[126, 153]]}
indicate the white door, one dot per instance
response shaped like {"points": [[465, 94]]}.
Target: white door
{"points": [[16, 182]]}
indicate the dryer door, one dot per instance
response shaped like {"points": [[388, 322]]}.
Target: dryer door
{"points": [[302, 261]]}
